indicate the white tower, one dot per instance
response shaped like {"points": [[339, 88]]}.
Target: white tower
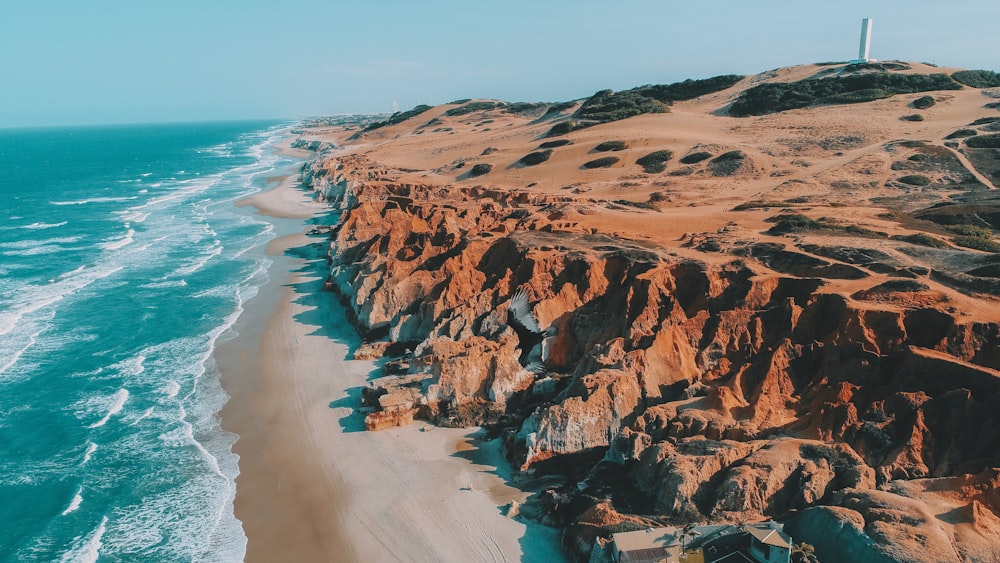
{"points": [[866, 39]]}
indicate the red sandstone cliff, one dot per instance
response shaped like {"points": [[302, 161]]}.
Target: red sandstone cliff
{"points": [[732, 375]]}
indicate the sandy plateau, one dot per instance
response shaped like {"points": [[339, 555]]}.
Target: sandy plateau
{"points": [[796, 318]]}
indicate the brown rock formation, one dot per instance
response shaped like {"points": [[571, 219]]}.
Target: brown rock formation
{"points": [[719, 376]]}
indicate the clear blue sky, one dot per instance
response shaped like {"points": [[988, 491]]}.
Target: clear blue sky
{"points": [[68, 62]]}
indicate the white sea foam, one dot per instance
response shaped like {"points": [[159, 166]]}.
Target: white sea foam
{"points": [[198, 263], [86, 549], [119, 399], [32, 243], [36, 226], [120, 242], [143, 416], [171, 389], [135, 216], [94, 200], [164, 284], [91, 448], [34, 298], [146, 174], [75, 503]]}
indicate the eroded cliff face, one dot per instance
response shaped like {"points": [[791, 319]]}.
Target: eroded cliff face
{"points": [[715, 390]]}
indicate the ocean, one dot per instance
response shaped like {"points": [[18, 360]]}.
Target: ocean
{"points": [[123, 264]]}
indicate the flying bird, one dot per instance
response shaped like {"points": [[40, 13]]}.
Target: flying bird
{"points": [[532, 340]]}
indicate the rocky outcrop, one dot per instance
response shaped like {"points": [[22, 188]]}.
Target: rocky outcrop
{"points": [[724, 391]]}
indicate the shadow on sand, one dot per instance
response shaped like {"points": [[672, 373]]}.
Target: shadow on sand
{"points": [[325, 314], [539, 542]]}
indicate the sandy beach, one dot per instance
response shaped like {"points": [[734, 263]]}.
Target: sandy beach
{"points": [[313, 485]]}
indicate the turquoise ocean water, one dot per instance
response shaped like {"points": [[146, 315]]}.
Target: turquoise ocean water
{"points": [[123, 262]]}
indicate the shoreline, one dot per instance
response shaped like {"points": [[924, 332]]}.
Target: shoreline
{"points": [[402, 493]]}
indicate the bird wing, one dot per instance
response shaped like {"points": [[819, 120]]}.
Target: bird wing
{"points": [[519, 312]]}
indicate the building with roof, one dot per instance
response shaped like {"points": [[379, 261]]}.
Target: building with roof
{"points": [[765, 542]]}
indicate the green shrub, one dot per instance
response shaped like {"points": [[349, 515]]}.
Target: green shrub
{"points": [[398, 117], [962, 133], [731, 155], [480, 169], [921, 239], [856, 88], [607, 146], [984, 141], [876, 438], [607, 106], [924, 102], [554, 144], [977, 243], [793, 223], [688, 89], [973, 231], [639, 204], [521, 108], [561, 128], [603, 162], [696, 157], [654, 162], [916, 180], [537, 157], [985, 120], [857, 96], [473, 107], [913, 117], [977, 78]]}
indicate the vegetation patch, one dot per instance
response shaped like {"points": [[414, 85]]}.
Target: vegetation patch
{"points": [[985, 120], [655, 162], [474, 107], [973, 236], [912, 117], [761, 204], [522, 108], [689, 89], [921, 239], [480, 169], [639, 204], [608, 146], [977, 78], [537, 157], [696, 157], [561, 128], [727, 163], [977, 244], [962, 133], [607, 105], [915, 180], [555, 143], [603, 162], [984, 141], [797, 223], [923, 102], [398, 117], [774, 97]]}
